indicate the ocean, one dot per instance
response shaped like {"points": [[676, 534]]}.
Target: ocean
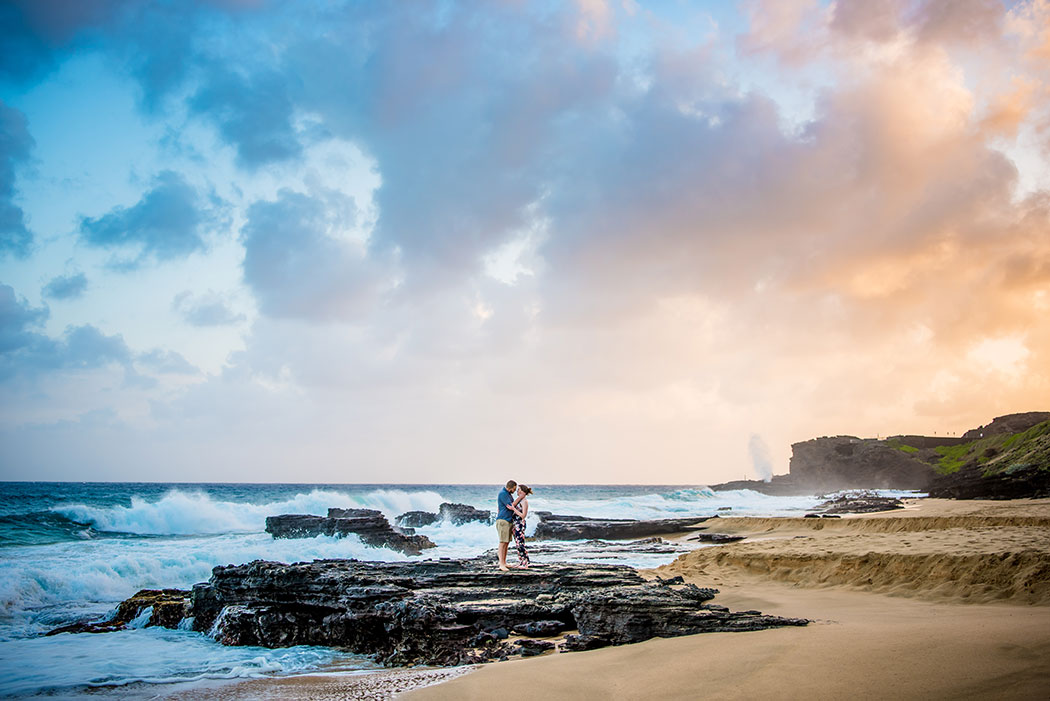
{"points": [[72, 551]]}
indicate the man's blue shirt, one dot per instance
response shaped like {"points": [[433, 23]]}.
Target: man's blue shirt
{"points": [[505, 499]]}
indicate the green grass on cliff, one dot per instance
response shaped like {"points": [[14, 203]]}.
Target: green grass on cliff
{"points": [[896, 444], [1001, 453]]}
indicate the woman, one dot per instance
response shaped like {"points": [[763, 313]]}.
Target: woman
{"points": [[520, 507]]}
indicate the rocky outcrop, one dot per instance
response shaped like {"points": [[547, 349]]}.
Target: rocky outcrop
{"points": [[416, 519], [155, 607], [449, 612], [1019, 481], [920, 462], [369, 525], [858, 503], [1009, 424], [558, 527], [456, 514], [847, 462], [778, 486]]}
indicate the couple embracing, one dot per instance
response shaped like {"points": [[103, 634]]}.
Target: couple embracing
{"points": [[513, 503]]}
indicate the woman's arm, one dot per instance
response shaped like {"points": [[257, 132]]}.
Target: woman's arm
{"points": [[524, 509]]}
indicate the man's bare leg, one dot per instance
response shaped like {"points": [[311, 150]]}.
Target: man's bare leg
{"points": [[502, 550]]}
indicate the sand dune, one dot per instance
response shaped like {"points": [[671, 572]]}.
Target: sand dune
{"points": [[929, 550]]}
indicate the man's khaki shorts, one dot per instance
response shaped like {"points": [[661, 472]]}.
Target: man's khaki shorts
{"points": [[503, 528]]}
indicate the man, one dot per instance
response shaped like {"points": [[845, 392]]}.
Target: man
{"points": [[503, 518]]}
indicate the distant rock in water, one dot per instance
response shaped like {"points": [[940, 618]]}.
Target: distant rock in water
{"points": [[456, 514], [450, 612], [369, 525], [416, 519], [560, 527]]}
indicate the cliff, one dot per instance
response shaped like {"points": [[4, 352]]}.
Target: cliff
{"points": [[1008, 458]]}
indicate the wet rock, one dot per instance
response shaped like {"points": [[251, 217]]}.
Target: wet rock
{"points": [[540, 629], [458, 514], [446, 612], [530, 648], [859, 503], [369, 525], [165, 607], [717, 538], [416, 519], [561, 527], [581, 643]]}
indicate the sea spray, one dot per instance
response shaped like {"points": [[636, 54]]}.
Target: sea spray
{"points": [[760, 460], [196, 513]]}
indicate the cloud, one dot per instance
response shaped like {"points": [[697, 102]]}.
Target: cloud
{"points": [[166, 362], [298, 263], [209, 309], [252, 112], [16, 320], [63, 287], [15, 146], [169, 222], [27, 352], [35, 32]]}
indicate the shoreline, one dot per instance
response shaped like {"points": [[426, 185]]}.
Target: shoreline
{"points": [[940, 599]]}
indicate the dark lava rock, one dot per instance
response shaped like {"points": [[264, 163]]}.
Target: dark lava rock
{"points": [[416, 519], [580, 643], [559, 527], [168, 608], [826, 464], [1019, 481], [530, 648], [540, 629], [628, 615], [354, 513], [859, 503], [458, 514], [370, 526], [715, 538], [445, 612]]}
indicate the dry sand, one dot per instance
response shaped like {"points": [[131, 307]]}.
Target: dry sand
{"points": [[943, 600]]}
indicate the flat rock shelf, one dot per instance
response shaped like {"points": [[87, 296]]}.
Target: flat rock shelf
{"points": [[447, 612]]}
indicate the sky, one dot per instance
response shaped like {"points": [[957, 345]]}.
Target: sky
{"points": [[601, 241]]}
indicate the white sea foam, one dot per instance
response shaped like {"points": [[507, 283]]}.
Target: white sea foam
{"points": [[153, 655], [698, 501], [111, 570], [196, 513]]}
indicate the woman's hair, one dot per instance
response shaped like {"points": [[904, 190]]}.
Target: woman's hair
{"points": [[525, 488]]}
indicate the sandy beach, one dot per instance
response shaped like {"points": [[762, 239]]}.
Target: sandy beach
{"points": [[943, 599]]}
